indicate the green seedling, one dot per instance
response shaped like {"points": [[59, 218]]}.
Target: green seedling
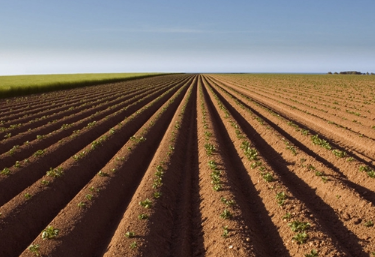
{"points": [[5, 171], [217, 187], [157, 195], [13, 150], [89, 197], [338, 153], [57, 172], [313, 253], [256, 164], [79, 156], [39, 153], [212, 165], [34, 249], [321, 142], [369, 223], [225, 232], [146, 203], [44, 182], [27, 196], [17, 164], [129, 234], [297, 226], [281, 197], [226, 214], [157, 183], [293, 149], [268, 177], [228, 202], [210, 148], [349, 159], [49, 233], [81, 204], [133, 245], [301, 238], [143, 216], [287, 216], [102, 174]]}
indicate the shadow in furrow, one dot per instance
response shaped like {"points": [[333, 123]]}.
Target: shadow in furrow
{"points": [[187, 224], [326, 215]]}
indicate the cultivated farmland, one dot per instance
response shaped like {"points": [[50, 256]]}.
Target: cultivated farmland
{"points": [[191, 165]]}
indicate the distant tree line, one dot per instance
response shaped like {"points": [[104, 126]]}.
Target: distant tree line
{"points": [[352, 73]]}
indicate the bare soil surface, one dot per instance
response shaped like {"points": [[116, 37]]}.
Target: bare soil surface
{"points": [[191, 165]]}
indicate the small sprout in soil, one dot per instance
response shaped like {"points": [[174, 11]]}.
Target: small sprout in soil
{"points": [[338, 196], [338, 153], [324, 179], [212, 164], [39, 153], [298, 226], [319, 174], [369, 223], [143, 216], [133, 245], [44, 182], [256, 164], [225, 232], [27, 196], [102, 174], [81, 204], [129, 234], [34, 249], [17, 164], [210, 148], [226, 214], [287, 216], [89, 197], [313, 253], [49, 233], [349, 159], [268, 177], [57, 172], [301, 238], [217, 187], [371, 174], [92, 189], [5, 171], [157, 195], [228, 202], [281, 197], [146, 203]]}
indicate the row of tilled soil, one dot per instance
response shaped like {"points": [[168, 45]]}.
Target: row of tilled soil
{"points": [[359, 119], [362, 147], [189, 165]]}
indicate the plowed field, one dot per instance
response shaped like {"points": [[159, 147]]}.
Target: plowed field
{"points": [[191, 165]]}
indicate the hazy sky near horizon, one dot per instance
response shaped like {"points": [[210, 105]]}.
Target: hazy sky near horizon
{"points": [[89, 36]]}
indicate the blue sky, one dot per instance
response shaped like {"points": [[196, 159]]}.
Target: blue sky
{"points": [[48, 36]]}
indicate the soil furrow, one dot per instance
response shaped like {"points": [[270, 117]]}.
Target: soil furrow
{"points": [[160, 185], [297, 182], [19, 178], [123, 174], [63, 128]]}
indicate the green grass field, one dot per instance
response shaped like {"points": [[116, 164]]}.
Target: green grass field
{"points": [[29, 84]]}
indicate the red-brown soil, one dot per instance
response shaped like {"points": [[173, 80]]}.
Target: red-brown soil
{"points": [[191, 165]]}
